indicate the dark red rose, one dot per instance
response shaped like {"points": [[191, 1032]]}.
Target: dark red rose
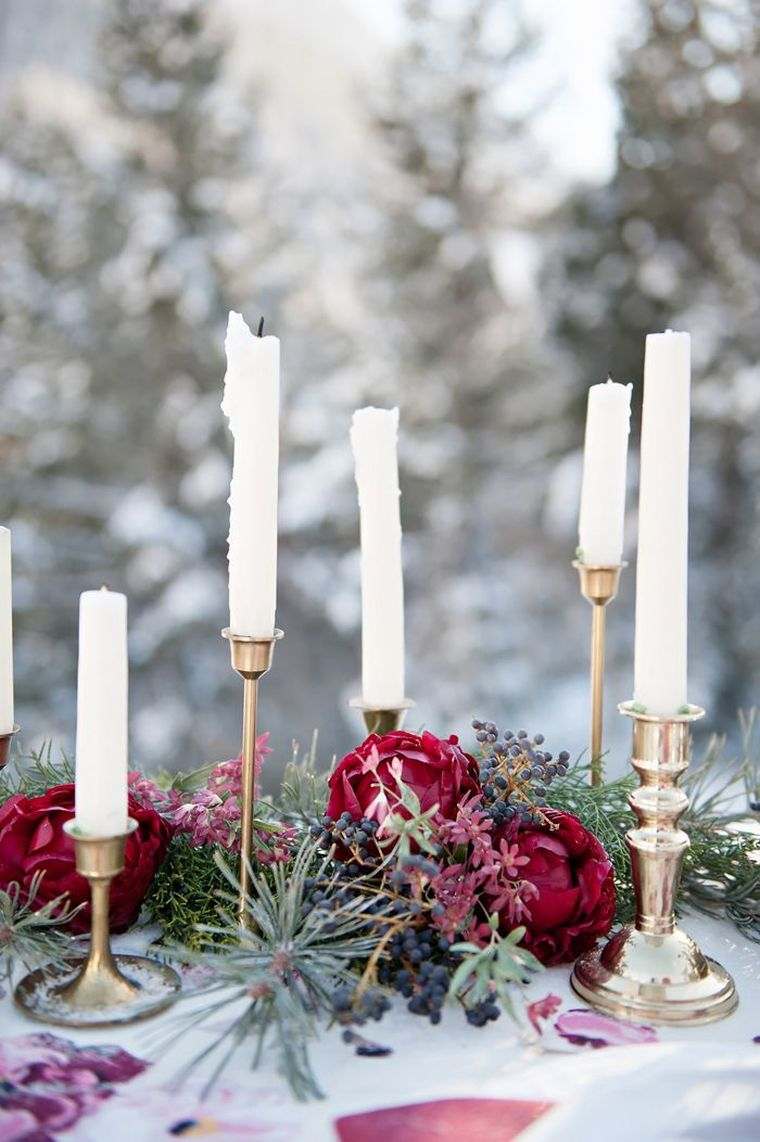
{"points": [[438, 771], [576, 889], [32, 839]]}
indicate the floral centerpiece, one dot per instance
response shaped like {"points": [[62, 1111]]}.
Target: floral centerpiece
{"points": [[414, 869]]}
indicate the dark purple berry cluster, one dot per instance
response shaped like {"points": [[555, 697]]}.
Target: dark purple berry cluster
{"points": [[350, 1004], [419, 967], [484, 1012], [515, 772], [345, 831]]}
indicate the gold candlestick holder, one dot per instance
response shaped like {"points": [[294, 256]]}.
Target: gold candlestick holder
{"points": [[382, 719], [6, 741], [599, 586], [103, 989], [652, 970], [251, 658]]}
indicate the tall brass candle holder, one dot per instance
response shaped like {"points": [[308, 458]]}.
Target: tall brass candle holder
{"points": [[599, 586], [103, 989], [251, 658], [652, 970], [6, 741], [382, 719]]}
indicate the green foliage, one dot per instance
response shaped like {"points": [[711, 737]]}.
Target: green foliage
{"points": [[287, 964], [491, 972], [34, 773], [185, 892], [304, 790], [415, 829], [30, 932]]}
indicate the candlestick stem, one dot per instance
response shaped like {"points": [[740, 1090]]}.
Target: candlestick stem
{"points": [[653, 970], [599, 586], [251, 658], [248, 800], [598, 633]]}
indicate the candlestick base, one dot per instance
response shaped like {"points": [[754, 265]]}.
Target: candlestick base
{"points": [[652, 970], [657, 979], [140, 987], [6, 741], [100, 990], [382, 719]]}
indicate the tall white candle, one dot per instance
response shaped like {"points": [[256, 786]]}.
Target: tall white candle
{"points": [[661, 570], [374, 434], [605, 456], [252, 405], [101, 747], [6, 634]]}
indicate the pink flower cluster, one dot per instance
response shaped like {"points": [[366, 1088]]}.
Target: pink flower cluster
{"points": [[489, 868], [211, 815], [48, 1083]]}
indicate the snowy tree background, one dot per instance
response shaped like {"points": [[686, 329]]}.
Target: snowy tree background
{"points": [[431, 208]]}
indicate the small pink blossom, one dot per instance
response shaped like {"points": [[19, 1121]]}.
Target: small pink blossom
{"points": [[542, 1009], [511, 861], [456, 891]]}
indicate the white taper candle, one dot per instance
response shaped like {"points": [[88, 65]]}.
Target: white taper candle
{"points": [[605, 457], [662, 565], [374, 434], [252, 405], [6, 633], [102, 683]]}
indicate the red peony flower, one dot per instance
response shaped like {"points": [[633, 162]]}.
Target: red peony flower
{"points": [[32, 839], [576, 889], [438, 771]]}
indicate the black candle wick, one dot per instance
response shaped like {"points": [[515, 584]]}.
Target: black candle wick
{"points": [[260, 330]]}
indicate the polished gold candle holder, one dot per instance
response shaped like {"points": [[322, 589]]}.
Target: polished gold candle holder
{"points": [[382, 719], [652, 970], [6, 741], [251, 658], [103, 989], [599, 586]]}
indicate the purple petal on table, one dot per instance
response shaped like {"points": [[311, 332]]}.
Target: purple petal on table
{"points": [[591, 1029]]}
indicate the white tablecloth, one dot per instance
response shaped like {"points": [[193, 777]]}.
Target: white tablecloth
{"points": [[698, 1083]]}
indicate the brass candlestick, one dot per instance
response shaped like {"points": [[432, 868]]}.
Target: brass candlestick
{"points": [[103, 989], [251, 657], [599, 585], [652, 970], [382, 719], [6, 741]]}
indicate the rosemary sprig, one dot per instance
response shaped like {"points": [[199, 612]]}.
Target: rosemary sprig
{"points": [[30, 933]]}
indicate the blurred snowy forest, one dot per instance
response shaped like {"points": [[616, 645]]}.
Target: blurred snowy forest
{"points": [[387, 194]]}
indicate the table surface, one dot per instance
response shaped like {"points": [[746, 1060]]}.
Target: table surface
{"points": [[701, 1082]]}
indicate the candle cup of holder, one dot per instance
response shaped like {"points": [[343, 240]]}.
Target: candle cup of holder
{"points": [[101, 990], [599, 586], [6, 741], [652, 970], [382, 719], [251, 657]]}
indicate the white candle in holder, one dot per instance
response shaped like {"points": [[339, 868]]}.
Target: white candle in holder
{"points": [[661, 569], [605, 457], [6, 634], [252, 405], [101, 747], [374, 433]]}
